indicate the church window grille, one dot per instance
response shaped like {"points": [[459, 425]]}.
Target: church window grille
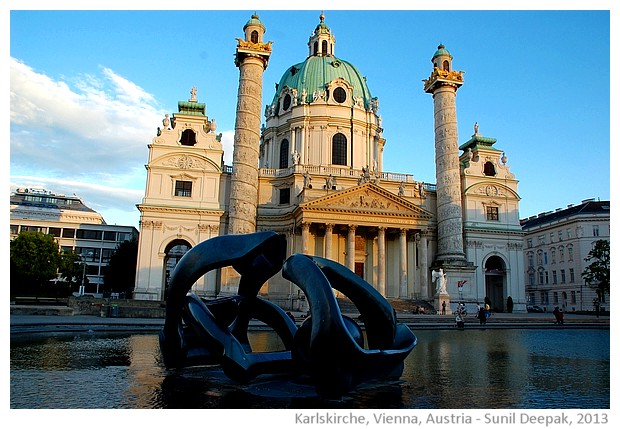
{"points": [[188, 138], [284, 154], [339, 149], [492, 213], [183, 188]]}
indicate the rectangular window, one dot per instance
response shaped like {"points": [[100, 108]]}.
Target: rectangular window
{"points": [[595, 230], [89, 234], [68, 233], [555, 277], [106, 254], [492, 213], [532, 278], [541, 239], [285, 196], [569, 233], [14, 229], [573, 297], [529, 243], [563, 276], [109, 235], [560, 235], [54, 231], [544, 298], [571, 275], [183, 188], [124, 236], [555, 297]]}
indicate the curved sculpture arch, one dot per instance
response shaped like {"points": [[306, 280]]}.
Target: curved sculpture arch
{"points": [[328, 347]]}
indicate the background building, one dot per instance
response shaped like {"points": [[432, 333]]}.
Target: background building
{"points": [[556, 244], [75, 227], [322, 185]]}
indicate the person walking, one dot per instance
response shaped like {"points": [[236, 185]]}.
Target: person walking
{"points": [[482, 315]]}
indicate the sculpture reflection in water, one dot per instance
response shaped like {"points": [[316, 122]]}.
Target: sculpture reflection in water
{"points": [[327, 349]]}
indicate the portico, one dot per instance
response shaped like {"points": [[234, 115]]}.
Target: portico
{"points": [[376, 234]]}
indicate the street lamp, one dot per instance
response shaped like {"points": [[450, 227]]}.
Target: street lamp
{"points": [[82, 287]]}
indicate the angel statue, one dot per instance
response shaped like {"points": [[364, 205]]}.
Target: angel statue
{"points": [[439, 277]]}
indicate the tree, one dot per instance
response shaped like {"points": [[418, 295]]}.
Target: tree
{"points": [[597, 273], [120, 274], [34, 260], [71, 270]]}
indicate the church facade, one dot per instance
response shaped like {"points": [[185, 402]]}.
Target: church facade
{"points": [[313, 172]]}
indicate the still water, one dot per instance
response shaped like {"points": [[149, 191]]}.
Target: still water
{"points": [[477, 369]]}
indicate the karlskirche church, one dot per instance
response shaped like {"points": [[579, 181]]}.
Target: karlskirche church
{"points": [[309, 166]]}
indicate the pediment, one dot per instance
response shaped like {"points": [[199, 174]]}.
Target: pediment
{"points": [[366, 198]]}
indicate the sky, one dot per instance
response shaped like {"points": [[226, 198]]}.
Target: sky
{"points": [[88, 88]]}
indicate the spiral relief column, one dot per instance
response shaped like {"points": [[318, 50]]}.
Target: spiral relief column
{"points": [[252, 56], [443, 84]]}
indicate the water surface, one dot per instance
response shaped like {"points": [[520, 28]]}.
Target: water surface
{"points": [[477, 369]]}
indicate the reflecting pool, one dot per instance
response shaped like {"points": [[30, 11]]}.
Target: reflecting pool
{"points": [[477, 369]]}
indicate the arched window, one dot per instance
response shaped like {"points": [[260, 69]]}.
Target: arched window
{"points": [[315, 49], [324, 47], [283, 154], [254, 37], [188, 138], [489, 169], [174, 252], [339, 149], [446, 65]]}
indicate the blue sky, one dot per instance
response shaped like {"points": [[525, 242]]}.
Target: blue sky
{"points": [[88, 89]]}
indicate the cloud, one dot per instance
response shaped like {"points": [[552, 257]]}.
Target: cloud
{"points": [[85, 135], [94, 126]]}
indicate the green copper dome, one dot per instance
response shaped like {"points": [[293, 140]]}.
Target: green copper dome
{"points": [[254, 21], [441, 50], [316, 72]]}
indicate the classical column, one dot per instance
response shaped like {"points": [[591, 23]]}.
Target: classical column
{"points": [[403, 263], [351, 247], [251, 57], [443, 84], [423, 258], [329, 230], [305, 237], [381, 261]]}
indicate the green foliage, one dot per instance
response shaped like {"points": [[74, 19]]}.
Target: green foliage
{"points": [[597, 272], [120, 274], [34, 260]]}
